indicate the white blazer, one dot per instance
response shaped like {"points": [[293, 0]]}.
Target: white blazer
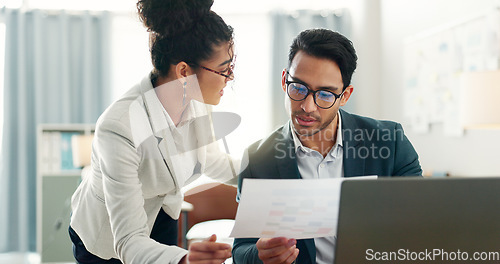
{"points": [[133, 175]]}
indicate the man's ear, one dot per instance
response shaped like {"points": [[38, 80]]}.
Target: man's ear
{"points": [[347, 94], [283, 80]]}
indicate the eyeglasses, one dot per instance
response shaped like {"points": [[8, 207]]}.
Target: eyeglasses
{"points": [[322, 98], [229, 76], [230, 70]]}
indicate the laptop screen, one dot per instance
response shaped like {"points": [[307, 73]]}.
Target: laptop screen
{"points": [[419, 220]]}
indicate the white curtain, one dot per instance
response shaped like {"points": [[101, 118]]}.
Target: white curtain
{"points": [[286, 26], [57, 70]]}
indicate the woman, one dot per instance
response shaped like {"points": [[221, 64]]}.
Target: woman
{"points": [[156, 139]]}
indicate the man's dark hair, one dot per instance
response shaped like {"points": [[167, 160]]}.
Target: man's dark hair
{"points": [[327, 44]]}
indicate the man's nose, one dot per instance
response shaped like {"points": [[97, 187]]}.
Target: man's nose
{"points": [[308, 104]]}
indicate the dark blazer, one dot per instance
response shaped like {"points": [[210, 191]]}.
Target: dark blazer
{"points": [[370, 147]]}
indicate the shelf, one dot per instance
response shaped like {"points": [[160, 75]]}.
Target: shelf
{"points": [[62, 173], [57, 180], [84, 128]]}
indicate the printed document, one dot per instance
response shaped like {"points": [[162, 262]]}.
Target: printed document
{"points": [[292, 208]]}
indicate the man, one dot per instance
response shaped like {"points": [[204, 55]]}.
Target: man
{"points": [[321, 141]]}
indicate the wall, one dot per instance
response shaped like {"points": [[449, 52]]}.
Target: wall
{"points": [[130, 53], [366, 39], [474, 154], [2, 65]]}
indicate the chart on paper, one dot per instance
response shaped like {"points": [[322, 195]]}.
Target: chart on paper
{"points": [[297, 217], [290, 208]]}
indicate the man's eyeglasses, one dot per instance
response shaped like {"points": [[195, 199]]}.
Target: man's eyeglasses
{"points": [[322, 98]]}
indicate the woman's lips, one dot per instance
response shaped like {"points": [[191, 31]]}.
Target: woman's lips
{"points": [[221, 92]]}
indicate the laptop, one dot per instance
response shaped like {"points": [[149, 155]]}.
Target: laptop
{"points": [[419, 220]]}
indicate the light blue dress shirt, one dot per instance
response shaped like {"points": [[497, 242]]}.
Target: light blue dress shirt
{"points": [[312, 165]]}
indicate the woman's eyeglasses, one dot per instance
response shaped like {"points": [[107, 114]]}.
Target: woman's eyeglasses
{"points": [[228, 73], [229, 76]]}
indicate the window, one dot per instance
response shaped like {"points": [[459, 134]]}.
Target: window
{"points": [[83, 5], [2, 64], [11, 3]]}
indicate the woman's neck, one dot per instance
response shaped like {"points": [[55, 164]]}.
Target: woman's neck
{"points": [[171, 95]]}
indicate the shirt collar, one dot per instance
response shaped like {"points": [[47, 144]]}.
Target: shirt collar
{"points": [[188, 116], [298, 143]]}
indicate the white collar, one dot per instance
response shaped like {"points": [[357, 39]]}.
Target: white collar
{"points": [[298, 144]]}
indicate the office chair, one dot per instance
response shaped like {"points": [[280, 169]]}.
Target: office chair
{"points": [[214, 210]]}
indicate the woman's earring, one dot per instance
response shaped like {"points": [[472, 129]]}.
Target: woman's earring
{"points": [[184, 95]]}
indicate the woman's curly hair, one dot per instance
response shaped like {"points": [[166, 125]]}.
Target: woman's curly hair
{"points": [[182, 30]]}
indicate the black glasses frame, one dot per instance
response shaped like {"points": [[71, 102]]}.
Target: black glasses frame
{"points": [[309, 91]]}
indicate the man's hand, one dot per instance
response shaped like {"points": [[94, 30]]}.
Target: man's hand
{"points": [[207, 252], [278, 250]]}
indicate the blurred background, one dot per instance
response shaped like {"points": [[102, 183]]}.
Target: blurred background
{"points": [[64, 62]]}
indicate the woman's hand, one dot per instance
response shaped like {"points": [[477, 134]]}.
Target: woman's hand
{"points": [[207, 252]]}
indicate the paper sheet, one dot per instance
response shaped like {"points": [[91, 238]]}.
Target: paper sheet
{"points": [[290, 208]]}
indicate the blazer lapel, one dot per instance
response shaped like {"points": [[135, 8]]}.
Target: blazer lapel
{"points": [[353, 164], [307, 254], [159, 125], [287, 166]]}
